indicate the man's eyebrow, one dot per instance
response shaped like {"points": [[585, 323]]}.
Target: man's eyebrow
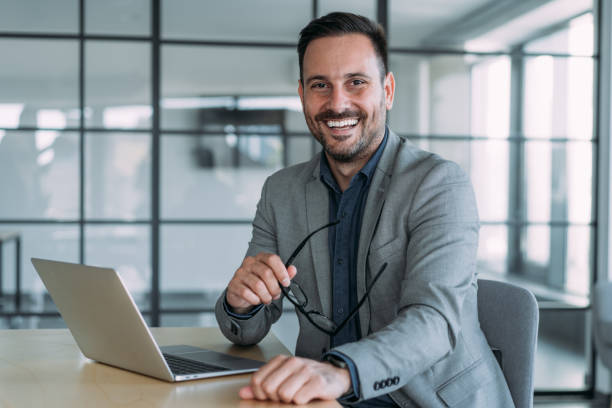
{"points": [[316, 78], [356, 74], [349, 75]]}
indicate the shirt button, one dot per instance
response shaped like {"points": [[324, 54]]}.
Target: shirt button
{"points": [[340, 261], [340, 311], [343, 214]]}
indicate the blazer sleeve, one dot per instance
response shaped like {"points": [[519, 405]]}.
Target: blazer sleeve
{"points": [[439, 270], [250, 331]]}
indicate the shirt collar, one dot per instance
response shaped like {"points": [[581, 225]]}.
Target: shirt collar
{"points": [[367, 170]]}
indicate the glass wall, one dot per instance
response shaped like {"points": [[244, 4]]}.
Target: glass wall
{"points": [[138, 135]]}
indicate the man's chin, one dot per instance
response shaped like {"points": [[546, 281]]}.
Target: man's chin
{"points": [[341, 156]]}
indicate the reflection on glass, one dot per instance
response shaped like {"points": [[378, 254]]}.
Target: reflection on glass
{"points": [[537, 249], [200, 260], [487, 164], [493, 249], [125, 249], [490, 97], [38, 75], [362, 7], [260, 151], [507, 26], [558, 181], [579, 259], [558, 257], [432, 94], [422, 24], [118, 84], [489, 172], [558, 97], [39, 175], [186, 319], [264, 20], [577, 38], [211, 183], [40, 16], [39, 241], [118, 175], [299, 149], [118, 17], [201, 85], [562, 351]]}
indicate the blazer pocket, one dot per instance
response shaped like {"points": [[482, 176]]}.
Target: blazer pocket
{"points": [[384, 253], [465, 383]]}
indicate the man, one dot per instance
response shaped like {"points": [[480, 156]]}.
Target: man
{"points": [[401, 251]]}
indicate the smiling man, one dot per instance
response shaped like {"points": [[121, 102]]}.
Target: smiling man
{"points": [[373, 241]]}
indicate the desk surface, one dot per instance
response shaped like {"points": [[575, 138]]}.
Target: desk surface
{"points": [[45, 368]]}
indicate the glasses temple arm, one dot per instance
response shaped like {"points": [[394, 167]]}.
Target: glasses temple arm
{"points": [[305, 240]]}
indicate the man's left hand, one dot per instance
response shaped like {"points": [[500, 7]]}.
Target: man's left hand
{"points": [[298, 380]]}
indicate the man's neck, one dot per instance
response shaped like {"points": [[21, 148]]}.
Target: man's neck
{"points": [[344, 172]]}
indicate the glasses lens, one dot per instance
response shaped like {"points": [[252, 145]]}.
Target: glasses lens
{"points": [[297, 295], [322, 321]]}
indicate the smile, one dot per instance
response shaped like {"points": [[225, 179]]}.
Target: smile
{"points": [[345, 123]]}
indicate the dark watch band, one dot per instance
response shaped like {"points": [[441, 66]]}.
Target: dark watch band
{"points": [[336, 361]]}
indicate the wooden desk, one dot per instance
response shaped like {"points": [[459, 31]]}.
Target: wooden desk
{"points": [[45, 368]]}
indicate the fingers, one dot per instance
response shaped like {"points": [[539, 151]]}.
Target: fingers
{"points": [[292, 271], [258, 379], [307, 392], [277, 267], [257, 281], [289, 388], [246, 393], [298, 380]]}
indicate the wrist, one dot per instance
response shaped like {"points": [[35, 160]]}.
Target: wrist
{"points": [[341, 367], [345, 376], [237, 309], [240, 310]]}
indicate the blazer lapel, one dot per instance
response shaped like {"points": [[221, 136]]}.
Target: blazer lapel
{"points": [[317, 213], [371, 215]]}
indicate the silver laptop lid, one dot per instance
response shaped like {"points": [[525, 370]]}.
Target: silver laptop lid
{"points": [[102, 317]]}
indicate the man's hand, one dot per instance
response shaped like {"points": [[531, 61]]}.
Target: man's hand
{"points": [[256, 281], [297, 380]]}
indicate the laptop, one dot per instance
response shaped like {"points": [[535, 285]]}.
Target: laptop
{"points": [[108, 327]]}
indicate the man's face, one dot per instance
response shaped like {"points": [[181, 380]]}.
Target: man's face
{"points": [[345, 102]]}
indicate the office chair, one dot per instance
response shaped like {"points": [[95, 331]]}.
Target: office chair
{"points": [[508, 317], [602, 321]]}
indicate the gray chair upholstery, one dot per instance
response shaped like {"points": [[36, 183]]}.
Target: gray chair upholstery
{"points": [[602, 321], [508, 317]]}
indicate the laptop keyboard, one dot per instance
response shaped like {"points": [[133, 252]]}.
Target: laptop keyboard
{"points": [[181, 366]]}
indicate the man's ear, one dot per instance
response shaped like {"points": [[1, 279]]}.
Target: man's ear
{"points": [[389, 86], [301, 92]]}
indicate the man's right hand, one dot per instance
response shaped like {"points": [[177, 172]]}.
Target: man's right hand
{"points": [[257, 281]]}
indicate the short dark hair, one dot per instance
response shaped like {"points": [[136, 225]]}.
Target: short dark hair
{"points": [[337, 24]]}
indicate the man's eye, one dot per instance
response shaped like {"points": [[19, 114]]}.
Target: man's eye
{"points": [[318, 85], [357, 82]]}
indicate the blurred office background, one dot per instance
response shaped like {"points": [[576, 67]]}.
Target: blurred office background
{"points": [[137, 134]]}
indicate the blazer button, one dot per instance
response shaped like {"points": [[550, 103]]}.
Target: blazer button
{"points": [[376, 386], [395, 380]]}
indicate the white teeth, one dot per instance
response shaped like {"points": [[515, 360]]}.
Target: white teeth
{"points": [[341, 123]]}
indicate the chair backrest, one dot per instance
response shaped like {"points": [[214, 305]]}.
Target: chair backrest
{"points": [[602, 321], [508, 317]]}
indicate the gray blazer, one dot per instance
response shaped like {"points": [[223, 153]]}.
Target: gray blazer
{"points": [[421, 336]]}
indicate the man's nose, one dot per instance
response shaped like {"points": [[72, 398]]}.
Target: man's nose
{"points": [[339, 100]]}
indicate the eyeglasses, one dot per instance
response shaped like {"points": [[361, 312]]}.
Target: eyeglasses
{"points": [[296, 295]]}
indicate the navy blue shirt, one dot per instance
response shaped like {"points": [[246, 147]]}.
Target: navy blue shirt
{"points": [[348, 206]]}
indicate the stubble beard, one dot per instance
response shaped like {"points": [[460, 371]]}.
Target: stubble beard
{"points": [[363, 145]]}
